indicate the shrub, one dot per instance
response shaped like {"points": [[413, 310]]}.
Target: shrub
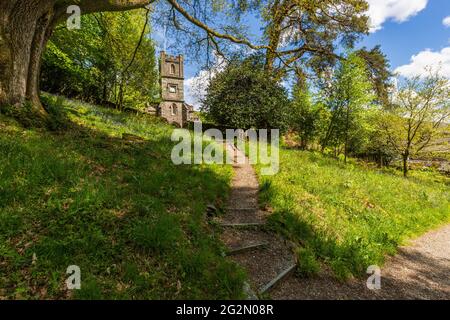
{"points": [[244, 96], [307, 264]]}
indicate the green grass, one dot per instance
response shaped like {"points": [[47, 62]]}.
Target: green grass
{"points": [[131, 220], [307, 264], [350, 216]]}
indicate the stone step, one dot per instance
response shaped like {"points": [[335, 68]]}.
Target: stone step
{"points": [[236, 237], [244, 215], [262, 266], [275, 281], [247, 247]]}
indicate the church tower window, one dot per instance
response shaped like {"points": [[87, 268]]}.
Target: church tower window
{"points": [[172, 88]]}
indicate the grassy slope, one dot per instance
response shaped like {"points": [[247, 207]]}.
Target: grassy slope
{"points": [[131, 220], [350, 216]]}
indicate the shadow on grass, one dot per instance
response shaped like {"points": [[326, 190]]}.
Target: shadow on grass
{"points": [[415, 274], [121, 210]]}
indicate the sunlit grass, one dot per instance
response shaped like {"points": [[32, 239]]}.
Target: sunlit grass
{"points": [[351, 216], [121, 210]]}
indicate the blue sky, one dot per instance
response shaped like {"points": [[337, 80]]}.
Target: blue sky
{"points": [[412, 33], [401, 40]]}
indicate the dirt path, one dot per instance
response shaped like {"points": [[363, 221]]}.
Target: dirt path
{"points": [[419, 271], [265, 255]]}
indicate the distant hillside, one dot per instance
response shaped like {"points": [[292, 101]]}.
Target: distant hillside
{"points": [[437, 154]]}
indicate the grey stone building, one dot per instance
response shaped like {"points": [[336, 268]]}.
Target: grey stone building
{"points": [[173, 108]]}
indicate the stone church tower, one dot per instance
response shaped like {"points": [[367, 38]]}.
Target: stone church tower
{"points": [[172, 107]]}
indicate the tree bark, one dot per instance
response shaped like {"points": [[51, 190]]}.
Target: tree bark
{"points": [[405, 164], [347, 124], [274, 40], [25, 27], [23, 34]]}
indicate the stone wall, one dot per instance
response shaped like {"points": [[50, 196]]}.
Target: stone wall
{"points": [[172, 111], [166, 95]]}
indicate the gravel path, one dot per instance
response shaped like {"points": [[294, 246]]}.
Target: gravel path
{"points": [[420, 270]]}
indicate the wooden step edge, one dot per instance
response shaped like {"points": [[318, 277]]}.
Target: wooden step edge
{"points": [[245, 248], [282, 275], [243, 225]]}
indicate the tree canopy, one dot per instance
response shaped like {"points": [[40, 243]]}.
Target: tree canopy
{"points": [[298, 35], [349, 102], [102, 67], [417, 115]]}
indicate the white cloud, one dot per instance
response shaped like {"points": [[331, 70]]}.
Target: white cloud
{"points": [[195, 87], [381, 11], [427, 59], [446, 21]]}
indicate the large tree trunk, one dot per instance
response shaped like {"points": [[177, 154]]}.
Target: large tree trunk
{"points": [[24, 30], [25, 27]]}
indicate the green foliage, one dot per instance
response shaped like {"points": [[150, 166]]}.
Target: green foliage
{"points": [[379, 72], [57, 119], [25, 114], [349, 101], [307, 117], [315, 23], [121, 210], [307, 264], [158, 236], [350, 216], [91, 63], [244, 96], [417, 116]]}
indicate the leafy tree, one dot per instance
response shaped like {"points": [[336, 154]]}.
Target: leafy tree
{"points": [[74, 70], [113, 61], [301, 33], [306, 116], [350, 95], [25, 28], [417, 115], [244, 96], [134, 73], [295, 29], [379, 74]]}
